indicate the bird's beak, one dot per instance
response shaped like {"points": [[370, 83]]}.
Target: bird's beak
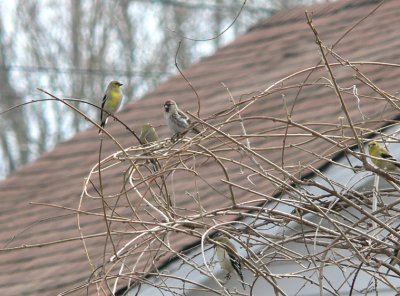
{"points": [[120, 84]]}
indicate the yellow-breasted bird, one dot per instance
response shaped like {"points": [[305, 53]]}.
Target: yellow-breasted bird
{"points": [[228, 260], [111, 102], [148, 134], [377, 150]]}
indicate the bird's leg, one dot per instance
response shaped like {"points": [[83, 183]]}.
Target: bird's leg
{"points": [[176, 137]]}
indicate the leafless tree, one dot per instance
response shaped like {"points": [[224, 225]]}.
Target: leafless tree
{"points": [[73, 48]]}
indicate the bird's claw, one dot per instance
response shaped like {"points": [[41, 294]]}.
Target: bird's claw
{"points": [[176, 137]]}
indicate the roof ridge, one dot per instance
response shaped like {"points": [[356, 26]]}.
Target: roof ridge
{"points": [[297, 12]]}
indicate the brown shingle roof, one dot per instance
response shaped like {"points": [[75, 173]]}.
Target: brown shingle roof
{"points": [[278, 47]]}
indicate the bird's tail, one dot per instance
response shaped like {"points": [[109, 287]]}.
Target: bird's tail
{"points": [[103, 124], [241, 277], [154, 165], [196, 130]]}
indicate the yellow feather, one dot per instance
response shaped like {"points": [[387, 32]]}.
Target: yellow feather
{"points": [[377, 150], [114, 99]]}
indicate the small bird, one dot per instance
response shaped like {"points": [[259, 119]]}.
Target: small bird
{"points": [[228, 260], [148, 134], [111, 102], [176, 120], [395, 258], [377, 150]]}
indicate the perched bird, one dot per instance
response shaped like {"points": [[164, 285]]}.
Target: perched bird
{"points": [[111, 101], [377, 150], [228, 260], [176, 120], [148, 134], [395, 258]]}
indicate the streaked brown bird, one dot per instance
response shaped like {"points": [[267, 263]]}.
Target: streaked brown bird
{"points": [[176, 120]]}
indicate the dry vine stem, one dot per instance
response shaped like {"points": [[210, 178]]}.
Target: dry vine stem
{"points": [[313, 218], [227, 179]]}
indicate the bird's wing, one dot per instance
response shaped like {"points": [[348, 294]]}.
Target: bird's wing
{"points": [[142, 137], [184, 116], [102, 107], [386, 155], [236, 264], [237, 267], [104, 100], [154, 135], [187, 119]]}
